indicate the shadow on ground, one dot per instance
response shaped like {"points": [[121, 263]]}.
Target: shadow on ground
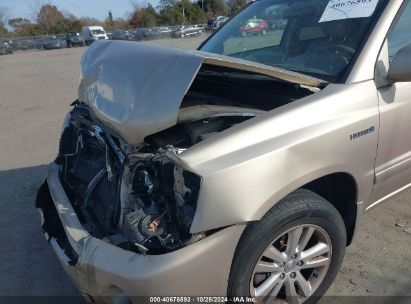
{"points": [[28, 266]]}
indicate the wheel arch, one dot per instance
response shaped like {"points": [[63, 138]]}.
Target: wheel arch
{"points": [[340, 190]]}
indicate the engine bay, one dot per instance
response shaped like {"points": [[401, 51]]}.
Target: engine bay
{"points": [[134, 198]]}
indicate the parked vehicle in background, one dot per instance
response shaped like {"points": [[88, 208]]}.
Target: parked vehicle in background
{"points": [[144, 34], [216, 22], [186, 31], [5, 48], [18, 44], [162, 31], [24, 44], [201, 27], [254, 26], [52, 43], [121, 35], [74, 38], [138, 34], [93, 33]]}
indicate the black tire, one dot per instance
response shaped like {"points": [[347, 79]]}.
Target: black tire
{"points": [[298, 208]]}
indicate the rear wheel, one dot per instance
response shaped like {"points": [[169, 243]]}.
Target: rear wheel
{"points": [[292, 254]]}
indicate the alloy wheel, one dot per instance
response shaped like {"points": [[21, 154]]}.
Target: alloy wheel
{"points": [[293, 266]]}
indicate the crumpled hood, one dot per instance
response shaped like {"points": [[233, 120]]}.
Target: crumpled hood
{"points": [[136, 89]]}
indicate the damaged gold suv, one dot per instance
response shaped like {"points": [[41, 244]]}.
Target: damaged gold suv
{"points": [[239, 169]]}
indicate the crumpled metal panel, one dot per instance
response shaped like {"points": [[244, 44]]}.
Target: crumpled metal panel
{"points": [[136, 88]]}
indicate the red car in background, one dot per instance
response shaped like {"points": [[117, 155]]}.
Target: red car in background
{"points": [[254, 26]]}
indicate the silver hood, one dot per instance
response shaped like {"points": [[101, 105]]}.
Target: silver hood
{"points": [[137, 88]]}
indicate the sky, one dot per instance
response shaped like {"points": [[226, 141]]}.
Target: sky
{"points": [[80, 8]]}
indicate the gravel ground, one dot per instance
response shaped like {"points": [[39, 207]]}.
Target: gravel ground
{"points": [[36, 89]]}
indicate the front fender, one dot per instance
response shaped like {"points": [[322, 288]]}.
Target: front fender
{"points": [[245, 170]]}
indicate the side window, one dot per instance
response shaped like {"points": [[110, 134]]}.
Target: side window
{"points": [[400, 34]]}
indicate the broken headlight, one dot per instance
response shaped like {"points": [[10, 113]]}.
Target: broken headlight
{"points": [[159, 204]]}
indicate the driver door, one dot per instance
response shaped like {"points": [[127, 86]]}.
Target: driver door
{"points": [[393, 163]]}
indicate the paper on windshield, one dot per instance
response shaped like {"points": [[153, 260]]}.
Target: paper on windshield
{"points": [[348, 9]]}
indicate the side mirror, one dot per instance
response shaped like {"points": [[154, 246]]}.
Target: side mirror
{"points": [[400, 66]]}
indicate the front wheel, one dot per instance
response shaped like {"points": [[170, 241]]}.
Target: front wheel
{"points": [[292, 254]]}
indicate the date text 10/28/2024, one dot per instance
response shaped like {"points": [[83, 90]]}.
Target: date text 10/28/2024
{"points": [[202, 300]]}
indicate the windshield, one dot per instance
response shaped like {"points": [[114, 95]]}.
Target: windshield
{"points": [[319, 38], [97, 32]]}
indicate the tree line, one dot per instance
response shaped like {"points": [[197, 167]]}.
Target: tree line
{"points": [[49, 19]]}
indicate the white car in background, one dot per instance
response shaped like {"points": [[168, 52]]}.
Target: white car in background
{"points": [[93, 33]]}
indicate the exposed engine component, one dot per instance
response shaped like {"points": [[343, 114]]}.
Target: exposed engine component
{"points": [[188, 134], [143, 227], [160, 205], [140, 201]]}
